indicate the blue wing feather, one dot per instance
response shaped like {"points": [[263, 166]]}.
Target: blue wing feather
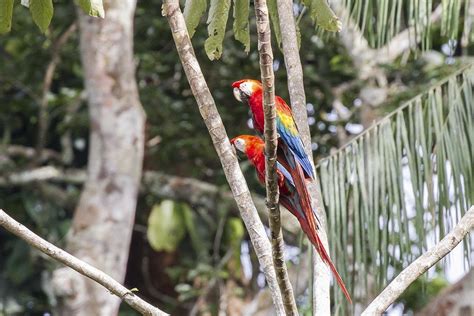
{"points": [[295, 145]]}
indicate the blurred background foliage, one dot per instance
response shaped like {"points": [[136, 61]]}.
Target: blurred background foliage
{"points": [[205, 247]]}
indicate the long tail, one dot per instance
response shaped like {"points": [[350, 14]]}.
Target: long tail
{"points": [[300, 206], [316, 241]]}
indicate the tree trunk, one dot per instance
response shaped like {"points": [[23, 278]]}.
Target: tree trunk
{"points": [[103, 221]]}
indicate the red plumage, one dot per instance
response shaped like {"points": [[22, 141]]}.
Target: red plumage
{"points": [[298, 204]]}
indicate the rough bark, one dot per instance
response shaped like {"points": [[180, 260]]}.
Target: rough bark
{"points": [[78, 265], [322, 275], [421, 265], [104, 218], [271, 142], [213, 121]]}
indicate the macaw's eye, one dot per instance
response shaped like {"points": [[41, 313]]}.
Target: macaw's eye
{"points": [[237, 94]]}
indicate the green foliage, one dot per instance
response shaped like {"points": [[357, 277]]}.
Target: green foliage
{"points": [[241, 22], [182, 146], [6, 11], [217, 21], [322, 15], [273, 13], [92, 7], [166, 225], [381, 20], [421, 150], [42, 13], [193, 12], [421, 292]]}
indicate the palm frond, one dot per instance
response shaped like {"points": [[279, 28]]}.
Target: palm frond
{"points": [[381, 20], [402, 184]]}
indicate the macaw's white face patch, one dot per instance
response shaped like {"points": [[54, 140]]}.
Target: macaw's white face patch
{"points": [[239, 143], [246, 88], [237, 94]]}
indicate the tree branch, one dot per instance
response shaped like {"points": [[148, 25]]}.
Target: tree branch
{"points": [[80, 266], [421, 265], [43, 116], [271, 142], [321, 277], [162, 185], [213, 121]]}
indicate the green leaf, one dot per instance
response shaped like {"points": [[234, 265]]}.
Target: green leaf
{"points": [[42, 13], [241, 23], [217, 20], [6, 11], [190, 220], [273, 12], [93, 7], [324, 16], [193, 12], [166, 227]]}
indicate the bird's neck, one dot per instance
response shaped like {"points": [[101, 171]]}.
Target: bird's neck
{"points": [[257, 156], [256, 106]]}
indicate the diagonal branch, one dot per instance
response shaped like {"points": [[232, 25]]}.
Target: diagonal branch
{"points": [[271, 142], [321, 277], [421, 265], [213, 121], [80, 266]]}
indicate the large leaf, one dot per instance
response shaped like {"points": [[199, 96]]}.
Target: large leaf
{"points": [[404, 181], [241, 23], [6, 11], [217, 20], [193, 12], [273, 12], [322, 15], [166, 226], [93, 7], [42, 13]]}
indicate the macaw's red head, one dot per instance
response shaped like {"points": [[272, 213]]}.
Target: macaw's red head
{"points": [[249, 145], [243, 89]]}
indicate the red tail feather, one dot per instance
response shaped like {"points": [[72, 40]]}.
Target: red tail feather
{"points": [[310, 226], [324, 255]]}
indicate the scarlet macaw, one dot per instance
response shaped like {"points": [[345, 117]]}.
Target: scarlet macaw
{"points": [[254, 148], [251, 92]]}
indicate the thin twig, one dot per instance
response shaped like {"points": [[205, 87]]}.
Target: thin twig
{"points": [[271, 143], [80, 266], [421, 265], [294, 69], [43, 116], [213, 121]]}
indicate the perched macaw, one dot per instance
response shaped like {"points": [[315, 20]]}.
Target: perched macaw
{"points": [[254, 148], [250, 91]]}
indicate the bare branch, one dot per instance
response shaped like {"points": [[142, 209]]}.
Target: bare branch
{"points": [[43, 116], [271, 143], [30, 153], [421, 265], [321, 277], [213, 121], [162, 185], [80, 266]]}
